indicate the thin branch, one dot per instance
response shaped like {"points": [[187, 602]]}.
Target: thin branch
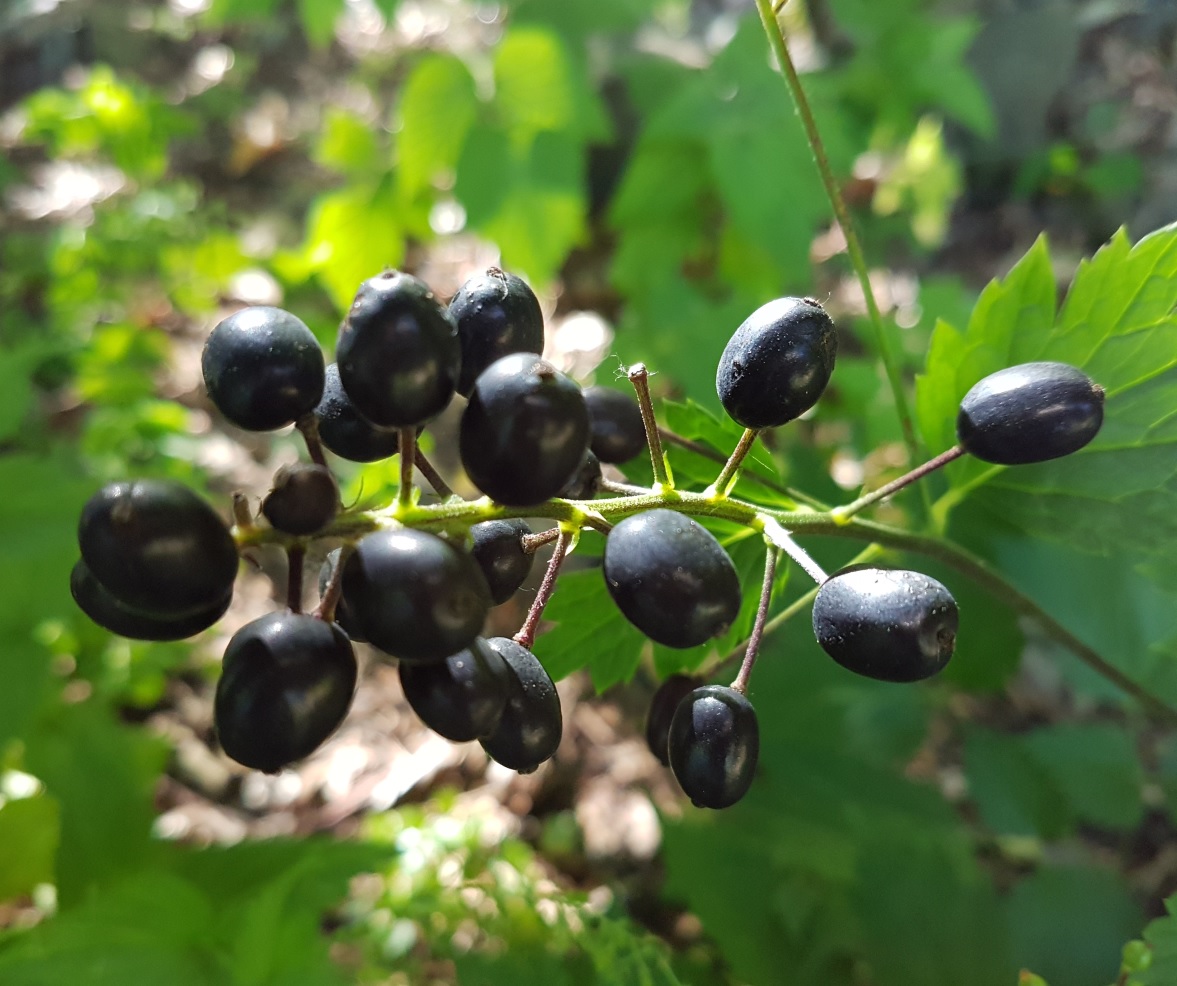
{"points": [[753, 648], [295, 556], [408, 453], [308, 425], [776, 37], [526, 634], [432, 476], [919, 472], [727, 477], [639, 376]]}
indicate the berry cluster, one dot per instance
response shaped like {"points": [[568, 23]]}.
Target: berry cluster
{"points": [[416, 581]]}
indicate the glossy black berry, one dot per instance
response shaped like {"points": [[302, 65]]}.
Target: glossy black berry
{"points": [[529, 730], [345, 431], [157, 547], [671, 578], [1030, 413], [286, 683], [414, 595], [343, 616], [109, 613], [497, 314], [714, 744], [463, 697], [524, 431], [885, 624], [304, 499], [777, 363], [585, 483], [263, 368], [618, 433], [662, 707], [498, 549], [398, 352]]}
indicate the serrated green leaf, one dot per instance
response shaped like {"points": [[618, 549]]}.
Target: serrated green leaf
{"points": [[589, 632], [1161, 936], [437, 108], [29, 832]]}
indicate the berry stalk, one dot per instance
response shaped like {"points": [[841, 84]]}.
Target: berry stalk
{"points": [[727, 477], [308, 426], [408, 447], [565, 540], [919, 472], [639, 376], [753, 647]]}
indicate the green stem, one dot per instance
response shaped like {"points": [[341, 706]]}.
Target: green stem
{"points": [[602, 514], [776, 37], [727, 477], [408, 451]]}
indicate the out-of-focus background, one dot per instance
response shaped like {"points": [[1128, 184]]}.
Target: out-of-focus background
{"points": [[640, 163]]}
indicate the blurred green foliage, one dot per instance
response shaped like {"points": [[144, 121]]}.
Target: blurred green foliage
{"points": [[629, 135]]}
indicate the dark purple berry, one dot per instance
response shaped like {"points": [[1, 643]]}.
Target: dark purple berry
{"points": [[886, 624], [286, 684], [497, 314], [524, 431], [1030, 413], [618, 433], [304, 500], [398, 352], [671, 578], [463, 697], [263, 368], [777, 363], [345, 431], [498, 549], [672, 691], [529, 730], [714, 745]]}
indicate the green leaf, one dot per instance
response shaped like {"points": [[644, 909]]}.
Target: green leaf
{"points": [[589, 632], [1161, 936], [150, 928], [1067, 924], [437, 109], [1015, 792], [42, 499], [527, 198], [103, 776], [29, 831], [353, 234], [318, 19], [347, 143], [1119, 325]]}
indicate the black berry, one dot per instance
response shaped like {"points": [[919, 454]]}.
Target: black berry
{"points": [[524, 431], [105, 610], [714, 744], [671, 578], [263, 368], [497, 314], [585, 483], [286, 683], [305, 499], [884, 624], [414, 595], [398, 352], [1030, 413], [662, 706], [463, 697], [529, 730], [618, 433], [345, 431], [777, 363], [157, 547], [498, 549]]}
